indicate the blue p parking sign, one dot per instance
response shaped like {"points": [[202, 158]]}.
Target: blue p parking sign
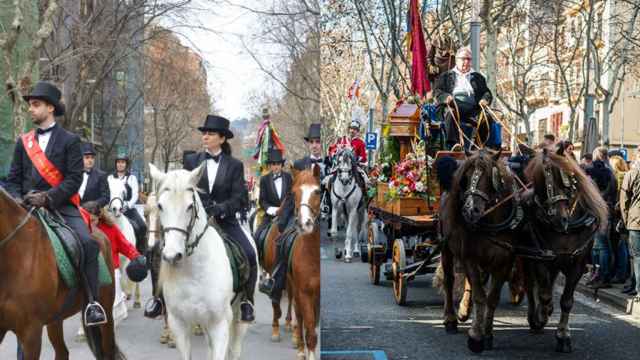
{"points": [[372, 141]]}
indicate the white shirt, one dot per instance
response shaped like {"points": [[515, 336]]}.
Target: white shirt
{"points": [[133, 183], [463, 85], [278, 184], [212, 170], [83, 187], [43, 139]]}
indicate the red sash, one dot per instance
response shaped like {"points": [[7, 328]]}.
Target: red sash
{"points": [[48, 171]]}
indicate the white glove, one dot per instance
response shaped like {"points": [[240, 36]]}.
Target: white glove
{"points": [[272, 210]]}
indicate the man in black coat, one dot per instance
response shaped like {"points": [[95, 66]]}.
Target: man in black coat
{"points": [[94, 190], [314, 158], [225, 193], [25, 182], [274, 188], [464, 89]]}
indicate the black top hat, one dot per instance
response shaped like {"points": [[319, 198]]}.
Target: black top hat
{"points": [[218, 124], [49, 93], [87, 149], [314, 132], [275, 156]]}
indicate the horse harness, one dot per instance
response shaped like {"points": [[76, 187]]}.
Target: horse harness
{"points": [[189, 246], [22, 223]]}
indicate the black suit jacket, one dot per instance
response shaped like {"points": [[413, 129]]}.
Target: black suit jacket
{"points": [[63, 151], [269, 194], [305, 163], [447, 81], [97, 188], [228, 189]]}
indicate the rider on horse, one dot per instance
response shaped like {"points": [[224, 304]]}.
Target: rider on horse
{"points": [[130, 181], [94, 190], [224, 194], [463, 92], [275, 187], [38, 158]]}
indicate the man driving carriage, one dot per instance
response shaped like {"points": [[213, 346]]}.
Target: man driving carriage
{"points": [[461, 93], [46, 172]]}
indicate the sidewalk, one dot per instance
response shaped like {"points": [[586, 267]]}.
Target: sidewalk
{"points": [[612, 297]]}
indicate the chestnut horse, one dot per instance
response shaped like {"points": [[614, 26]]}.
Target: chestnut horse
{"points": [[480, 218], [303, 279], [32, 292], [565, 213]]}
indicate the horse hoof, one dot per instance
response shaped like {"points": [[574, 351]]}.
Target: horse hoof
{"points": [[295, 341], [347, 260], [301, 355], [451, 327], [488, 342], [171, 344], [563, 345], [163, 339], [275, 338], [476, 346], [137, 305], [463, 318]]}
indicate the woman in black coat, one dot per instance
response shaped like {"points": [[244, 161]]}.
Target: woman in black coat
{"points": [[224, 193]]}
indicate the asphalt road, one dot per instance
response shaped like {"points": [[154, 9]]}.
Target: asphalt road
{"points": [[362, 321]]}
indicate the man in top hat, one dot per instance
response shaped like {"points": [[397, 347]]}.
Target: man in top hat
{"points": [[94, 190], [224, 193], [466, 90], [274, 188], [46, 171]]}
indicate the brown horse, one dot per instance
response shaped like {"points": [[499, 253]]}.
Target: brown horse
{"points": [[564, 212], [304, 278], [32, 292], [478, 221]]}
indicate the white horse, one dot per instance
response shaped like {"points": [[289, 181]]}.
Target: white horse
{"points": [[347, 199], [116, 204], [195, 275]]}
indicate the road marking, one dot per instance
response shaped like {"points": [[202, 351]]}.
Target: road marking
{"points": [[377, 354]]}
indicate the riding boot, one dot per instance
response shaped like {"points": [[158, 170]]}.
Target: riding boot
{"points": [[246, 307], [94, 313]]}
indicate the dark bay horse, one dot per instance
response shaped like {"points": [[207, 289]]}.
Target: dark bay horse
{"points": [[564, 211], [32, 291], [304, 277], [480, 218]]}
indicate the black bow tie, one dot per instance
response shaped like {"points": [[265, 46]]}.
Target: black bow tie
{"points": [[215, 158], [316, 161], [276, 177], [88, 172], [44, 131]]}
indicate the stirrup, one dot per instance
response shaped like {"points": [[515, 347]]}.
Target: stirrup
{"points": [[86, 312], [266, 286]]}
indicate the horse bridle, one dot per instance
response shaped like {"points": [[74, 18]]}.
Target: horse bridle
{"points": [[22, 223], [314, 214], [114, 199], [189, 246], [548, 205]]}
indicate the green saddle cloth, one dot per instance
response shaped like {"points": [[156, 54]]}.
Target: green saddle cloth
{"points": [[239, 263], [65, 264]]}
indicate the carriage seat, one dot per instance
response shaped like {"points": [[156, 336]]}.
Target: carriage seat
{"points": [[68, 250]]}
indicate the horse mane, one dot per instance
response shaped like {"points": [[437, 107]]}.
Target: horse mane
{"points": [[590, 196], [304, 176]]}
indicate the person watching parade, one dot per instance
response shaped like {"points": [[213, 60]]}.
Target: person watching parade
{"points": [[46, 172]]}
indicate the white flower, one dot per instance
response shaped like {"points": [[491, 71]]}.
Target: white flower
{"points": [[420, 186]]}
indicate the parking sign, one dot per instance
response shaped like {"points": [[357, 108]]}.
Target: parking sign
{"points": [[372, 141]]}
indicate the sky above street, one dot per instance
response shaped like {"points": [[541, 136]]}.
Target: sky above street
{"points": [[217, 34]]}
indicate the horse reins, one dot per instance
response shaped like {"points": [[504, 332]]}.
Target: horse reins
{"points": [[22, 223]]}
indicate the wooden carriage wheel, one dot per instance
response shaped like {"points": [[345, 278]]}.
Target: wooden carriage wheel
{"points": [[374, 268], [399, 282]]}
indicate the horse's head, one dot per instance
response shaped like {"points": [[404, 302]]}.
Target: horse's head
{"points": [[118, 193], [555, 187], [344, 163], [482, 180], [179, 208], [306, 189]]}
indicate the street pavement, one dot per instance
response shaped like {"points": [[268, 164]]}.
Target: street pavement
{"points": [[138, 337], [362, 321]]}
